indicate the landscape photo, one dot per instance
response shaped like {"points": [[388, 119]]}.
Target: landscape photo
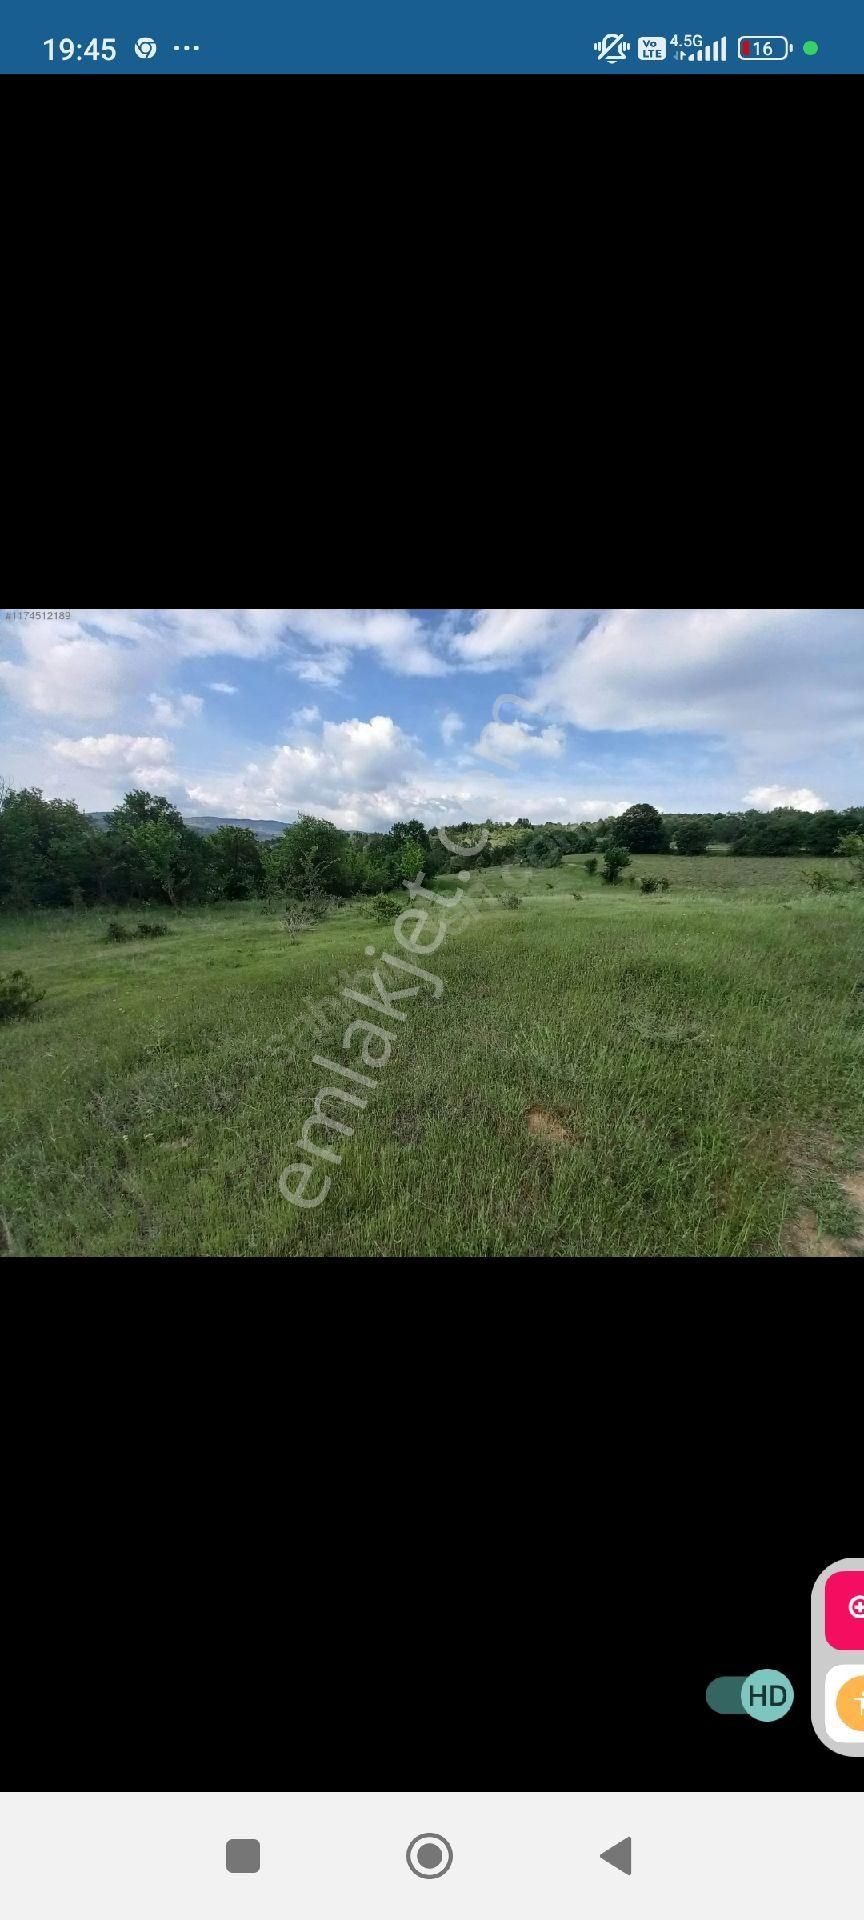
{"points": [[431, 933]]}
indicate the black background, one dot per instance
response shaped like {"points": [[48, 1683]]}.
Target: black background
{"points": [[498, 1541]]}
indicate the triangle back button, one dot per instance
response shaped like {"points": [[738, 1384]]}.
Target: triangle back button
{"points": [[620, 1856]]}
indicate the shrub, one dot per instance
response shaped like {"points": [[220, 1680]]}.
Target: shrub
{"points": [[512, 899], [115, 930], [295, 920], [631, 879], [151, 929], [590, 865], [18, 995], [819, 882], [648, 884], [577, 896], [663, 884], [613, 860], [852, 844], [385, 906]]}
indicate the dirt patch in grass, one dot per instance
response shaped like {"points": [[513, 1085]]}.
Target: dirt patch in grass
{"points": [[546, 1125], [818, 1147], [802, 1238], [853, 1187]]}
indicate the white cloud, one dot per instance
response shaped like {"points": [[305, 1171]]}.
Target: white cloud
{"points": [[367, 773], [176, 712], [305, 716], [321, 672], [501, 635], [451, 724], [501, 740], [220, 686], [112, 749], [64, 671], [768, 797], [769, 675], [397, 637], [250, 633]]}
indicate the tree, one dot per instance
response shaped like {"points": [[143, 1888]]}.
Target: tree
{"points": [[308, 858], [781, 831], [691, 837], [139, 808], [409, 830], [411, 859], [852, 845], [824, 830], [49, 851], [542, 851], [237, 868], [522, 822], [149, 852], [640, 828], [614, 859]]}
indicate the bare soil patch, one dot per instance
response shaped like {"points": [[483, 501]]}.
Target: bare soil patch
{"points": [[546, 1125]]}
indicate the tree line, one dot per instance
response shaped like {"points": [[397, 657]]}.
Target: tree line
{"points": [[54, 854]]}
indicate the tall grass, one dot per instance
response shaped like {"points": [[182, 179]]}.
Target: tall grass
{"points": [[681, 1050]]}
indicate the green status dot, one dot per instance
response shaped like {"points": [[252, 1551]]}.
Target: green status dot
{"points": [[811, 46]]}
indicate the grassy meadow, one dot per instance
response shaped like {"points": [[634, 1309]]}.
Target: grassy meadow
{"points": [[620, 1074]]}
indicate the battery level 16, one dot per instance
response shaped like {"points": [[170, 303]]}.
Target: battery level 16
{"points": [[757, 47]]}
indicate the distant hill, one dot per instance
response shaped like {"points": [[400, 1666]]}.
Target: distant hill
{"points": [[208, 823]]}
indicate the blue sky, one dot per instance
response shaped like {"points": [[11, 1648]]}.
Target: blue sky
{"points": [[368, 715]]}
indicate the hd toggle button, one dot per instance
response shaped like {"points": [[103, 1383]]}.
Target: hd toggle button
{"points": [[764, 1695]]}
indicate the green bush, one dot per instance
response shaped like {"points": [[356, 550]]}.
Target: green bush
{"points": [[18, 995], [819, 882], [590, 865], [663, 884], [151, 929], [385, 906], [648, 884], [852, 844], [613, 860], [577, 896], [115, 930], [512, 900]]}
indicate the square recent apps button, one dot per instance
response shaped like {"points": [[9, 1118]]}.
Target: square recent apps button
{"points": [[844, 1609]]}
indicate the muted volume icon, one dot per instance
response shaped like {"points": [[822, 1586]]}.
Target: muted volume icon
{"points": [[429, 1856], [612, 47]]}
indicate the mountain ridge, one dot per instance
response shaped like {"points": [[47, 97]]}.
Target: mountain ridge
{"points": [[210, 823]]}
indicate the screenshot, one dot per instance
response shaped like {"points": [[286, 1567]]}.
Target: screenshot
{"points": [[757, 1813], [431, 934], [642, 39]]}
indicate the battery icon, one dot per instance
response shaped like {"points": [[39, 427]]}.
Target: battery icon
{"points": [[774, 46]]}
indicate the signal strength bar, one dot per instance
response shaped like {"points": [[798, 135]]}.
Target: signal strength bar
{"points": [[716, 51]]}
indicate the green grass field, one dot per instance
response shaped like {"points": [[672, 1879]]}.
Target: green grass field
{"points": [[678, 1073]]}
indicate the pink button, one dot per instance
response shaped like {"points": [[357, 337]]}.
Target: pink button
{"points": [[844, 1610]]}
